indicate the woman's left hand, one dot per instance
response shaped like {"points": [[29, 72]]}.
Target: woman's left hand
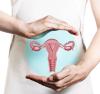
{"points": [[63, 79]]}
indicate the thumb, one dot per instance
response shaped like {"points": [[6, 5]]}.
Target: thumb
{"points": [[53, 77]]}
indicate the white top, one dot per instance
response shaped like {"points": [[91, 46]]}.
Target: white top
{"points": [[62, 9], [22, 59]]}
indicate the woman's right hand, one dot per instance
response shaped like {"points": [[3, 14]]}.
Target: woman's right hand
{"points": [[16, 26], [48, 23]]}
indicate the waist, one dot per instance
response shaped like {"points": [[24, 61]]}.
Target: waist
{"points": [[50, 51]]}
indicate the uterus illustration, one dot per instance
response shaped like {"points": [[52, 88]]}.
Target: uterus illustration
{"points": [[52, 46]]}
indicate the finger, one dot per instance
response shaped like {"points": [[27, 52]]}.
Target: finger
{"points": [[36, 78], [68, 26], [60, 75], [61, 89], [57, 21], [41, 80], [72, 31], [60, 26], [56, 24], [29, 34], [64, 25], [61, 83], [71, 82]]}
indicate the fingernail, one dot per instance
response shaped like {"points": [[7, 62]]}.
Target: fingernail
{"points": [[76, 33], [27, 76]]}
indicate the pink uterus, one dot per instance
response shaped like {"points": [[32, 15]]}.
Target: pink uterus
{"points": [[52, 46]]}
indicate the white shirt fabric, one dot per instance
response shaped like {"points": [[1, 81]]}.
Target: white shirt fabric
{"points": [[71, 11]]}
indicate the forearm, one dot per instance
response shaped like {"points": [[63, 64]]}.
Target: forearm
{"points": [[11, 25], [92, 56]]}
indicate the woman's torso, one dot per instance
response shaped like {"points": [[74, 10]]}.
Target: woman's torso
{"points": [[23, 60]]}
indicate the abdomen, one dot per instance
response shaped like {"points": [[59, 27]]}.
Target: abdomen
{"points": [[51, 51]]}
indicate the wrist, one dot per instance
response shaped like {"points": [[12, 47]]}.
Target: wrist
{"points": [[85, 69], [20, 27], [12, 25], [87, 65]]}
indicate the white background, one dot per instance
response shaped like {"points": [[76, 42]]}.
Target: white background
{"points": [[5, 40]]}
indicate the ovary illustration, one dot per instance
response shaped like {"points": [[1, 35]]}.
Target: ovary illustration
{"points": [[52, 46]]}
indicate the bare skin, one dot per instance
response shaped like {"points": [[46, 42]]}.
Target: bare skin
{"points": [[71, 74], [15, 26], [75, 73]]}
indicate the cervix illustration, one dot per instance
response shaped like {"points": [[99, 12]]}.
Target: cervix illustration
{"points": [[52, 46]]}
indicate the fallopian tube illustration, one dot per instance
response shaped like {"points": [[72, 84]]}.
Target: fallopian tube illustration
{"points": [[52, 46]]}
